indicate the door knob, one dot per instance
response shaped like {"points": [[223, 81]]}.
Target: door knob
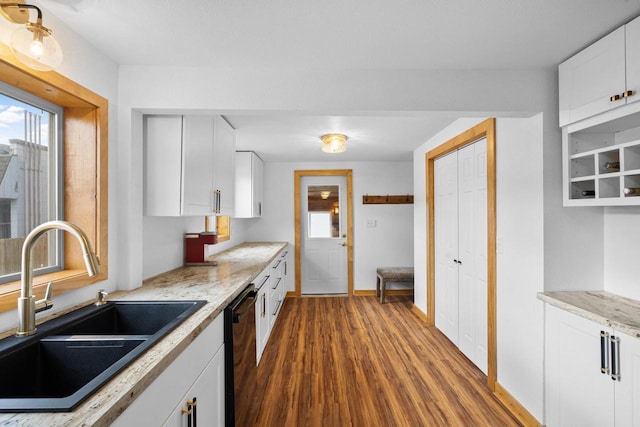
{"points": [[343, 244]]}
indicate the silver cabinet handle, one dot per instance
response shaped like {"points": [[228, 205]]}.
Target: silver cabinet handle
{"points": [[604, 352], [615, 358]]}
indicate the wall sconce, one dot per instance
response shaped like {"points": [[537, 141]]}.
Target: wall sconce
{"points": [[334, 143], [32, 44]]}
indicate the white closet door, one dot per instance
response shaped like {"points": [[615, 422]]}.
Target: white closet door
{"points": [[446, 244], [472, 252]]}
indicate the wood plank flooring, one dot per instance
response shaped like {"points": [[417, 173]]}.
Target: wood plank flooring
{"points": [[337, 361]]}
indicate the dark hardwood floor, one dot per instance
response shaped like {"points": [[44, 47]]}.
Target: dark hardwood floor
{"points": [[337, 361]]}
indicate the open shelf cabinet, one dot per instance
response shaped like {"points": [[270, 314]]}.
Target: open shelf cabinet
{"points": [[601, 163]]}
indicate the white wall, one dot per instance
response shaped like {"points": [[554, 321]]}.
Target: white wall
{"points": [[160, 234], [520, 258], [90, 68], [390, 243], [622, 250]]}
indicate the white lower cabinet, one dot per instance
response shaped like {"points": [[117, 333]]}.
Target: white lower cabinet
{"points": [[262, 312], [198, 372], [270, 285], [275, 294], [204, 402], [592, 373]]}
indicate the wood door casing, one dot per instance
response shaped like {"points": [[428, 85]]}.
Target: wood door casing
{"points": [[483, 129], [298, 174]]}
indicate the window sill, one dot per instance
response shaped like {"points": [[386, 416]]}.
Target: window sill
{"points": [[63, 281]]}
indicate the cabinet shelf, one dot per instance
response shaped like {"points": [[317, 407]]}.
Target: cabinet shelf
{"points": [[599, 175]]}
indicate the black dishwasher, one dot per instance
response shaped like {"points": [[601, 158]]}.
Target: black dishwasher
{"points": [[240, 359]]}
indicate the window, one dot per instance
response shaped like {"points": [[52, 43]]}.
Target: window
{"points": [[84, 177], [30, 162], [5, 219], [223, 228]]}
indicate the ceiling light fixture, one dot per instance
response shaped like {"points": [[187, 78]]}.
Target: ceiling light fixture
{"points": [[324, 195], [334, 143], [32, 44]]}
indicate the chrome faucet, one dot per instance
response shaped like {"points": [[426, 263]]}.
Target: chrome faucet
{"points": [[27, 302]]}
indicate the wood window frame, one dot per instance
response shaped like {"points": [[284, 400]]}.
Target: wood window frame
{"points": [[223, 228], [85, 134]]}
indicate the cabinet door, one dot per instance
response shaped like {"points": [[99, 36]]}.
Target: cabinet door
{"points": [[155, 404], [633, 59], [248, 185], [262, 313], [588, 79], [162, 165], [577, 393], [224, 165], [243, 185], [627, 393], [257, 185], [198, 165], [208, 393]]}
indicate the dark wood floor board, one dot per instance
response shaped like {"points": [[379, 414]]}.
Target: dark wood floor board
{"points": [[337, 361]]}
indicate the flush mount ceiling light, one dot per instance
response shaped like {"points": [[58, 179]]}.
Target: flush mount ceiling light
{"points": [[324, 195], [334, 143], [32, 44]]}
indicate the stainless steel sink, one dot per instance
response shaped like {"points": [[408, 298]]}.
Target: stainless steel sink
{"points": [[70, 357]]}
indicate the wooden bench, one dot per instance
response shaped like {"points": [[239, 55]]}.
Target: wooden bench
{"points": [[391, 274]]}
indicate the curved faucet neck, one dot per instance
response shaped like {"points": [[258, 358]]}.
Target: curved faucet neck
{"points": [[26, 302]]}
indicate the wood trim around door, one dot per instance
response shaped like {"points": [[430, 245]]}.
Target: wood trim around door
{"points": [[298, 174], [484, 129]]}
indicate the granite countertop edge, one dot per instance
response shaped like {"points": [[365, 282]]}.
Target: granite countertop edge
{"points": [[605, 308], [237, 267]]}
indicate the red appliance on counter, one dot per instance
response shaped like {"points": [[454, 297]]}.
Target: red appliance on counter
{"points": [[195, 247]]}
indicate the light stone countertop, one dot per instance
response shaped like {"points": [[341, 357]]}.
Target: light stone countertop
{"points": [[622, 314], [219, 285]]}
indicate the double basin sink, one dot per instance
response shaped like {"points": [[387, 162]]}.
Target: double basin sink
{"points": [[70, 357]]}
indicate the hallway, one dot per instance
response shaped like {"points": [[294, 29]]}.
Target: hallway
{"points": [[336, 361]]}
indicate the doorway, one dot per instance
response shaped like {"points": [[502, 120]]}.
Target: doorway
{"points": [[485, 129], [323, 232]]}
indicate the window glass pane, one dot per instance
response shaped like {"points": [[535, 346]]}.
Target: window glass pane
{"points": [[29, 165], [323, 205]]}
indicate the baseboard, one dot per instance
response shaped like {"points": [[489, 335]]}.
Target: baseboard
{"points": [[419, 313], [515, 407], [372, 292]]}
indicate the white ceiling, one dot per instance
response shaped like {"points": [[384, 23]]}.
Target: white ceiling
{"points": [[347, 34]]}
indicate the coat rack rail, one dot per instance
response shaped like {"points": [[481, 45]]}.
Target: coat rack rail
{"points": [[388, 199]]}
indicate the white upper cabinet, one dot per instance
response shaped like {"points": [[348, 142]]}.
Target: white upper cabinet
{"points": [[162, 173], [188, 165], [249, 185], [197, 165], [224, 167], [601, 77], [633, 59]]}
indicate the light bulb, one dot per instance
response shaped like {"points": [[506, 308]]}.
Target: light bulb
{"points": [[34, 46], [36, 49]]}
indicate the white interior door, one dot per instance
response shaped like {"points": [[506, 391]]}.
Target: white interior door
{"points": [[472, 252], [460, 184], [446, 244], [323, 235]]}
